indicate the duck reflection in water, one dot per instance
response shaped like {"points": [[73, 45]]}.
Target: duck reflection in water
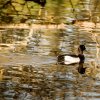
{"points": [[81, 68]]}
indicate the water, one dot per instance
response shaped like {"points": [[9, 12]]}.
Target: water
{"points": [[28, 61], [30, 71]]}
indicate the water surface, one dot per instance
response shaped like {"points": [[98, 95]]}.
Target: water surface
{"points": [[28, 61]]}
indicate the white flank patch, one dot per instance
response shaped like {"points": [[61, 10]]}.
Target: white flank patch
{"points": [[70, 60]]}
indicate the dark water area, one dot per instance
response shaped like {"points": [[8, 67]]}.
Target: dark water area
{"points": [[28, 61]]}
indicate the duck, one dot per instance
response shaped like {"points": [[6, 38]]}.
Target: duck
{"points": [[67, 59]]}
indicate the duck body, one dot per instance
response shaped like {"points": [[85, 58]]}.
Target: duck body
{"points": [[72, 59]]}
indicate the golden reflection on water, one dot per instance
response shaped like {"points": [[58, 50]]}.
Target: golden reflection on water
{"points": [[1, 73]]}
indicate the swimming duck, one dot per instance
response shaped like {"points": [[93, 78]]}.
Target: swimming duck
{"points": [[72, 59]]}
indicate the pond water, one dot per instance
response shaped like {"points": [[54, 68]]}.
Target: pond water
{"points": [[29, 69]]}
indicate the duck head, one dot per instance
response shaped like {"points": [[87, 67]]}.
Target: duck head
{"points": [[81, 49]]}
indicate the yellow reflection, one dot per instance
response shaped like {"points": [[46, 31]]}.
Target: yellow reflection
{"points": [[93, 70], [1, 74]]}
